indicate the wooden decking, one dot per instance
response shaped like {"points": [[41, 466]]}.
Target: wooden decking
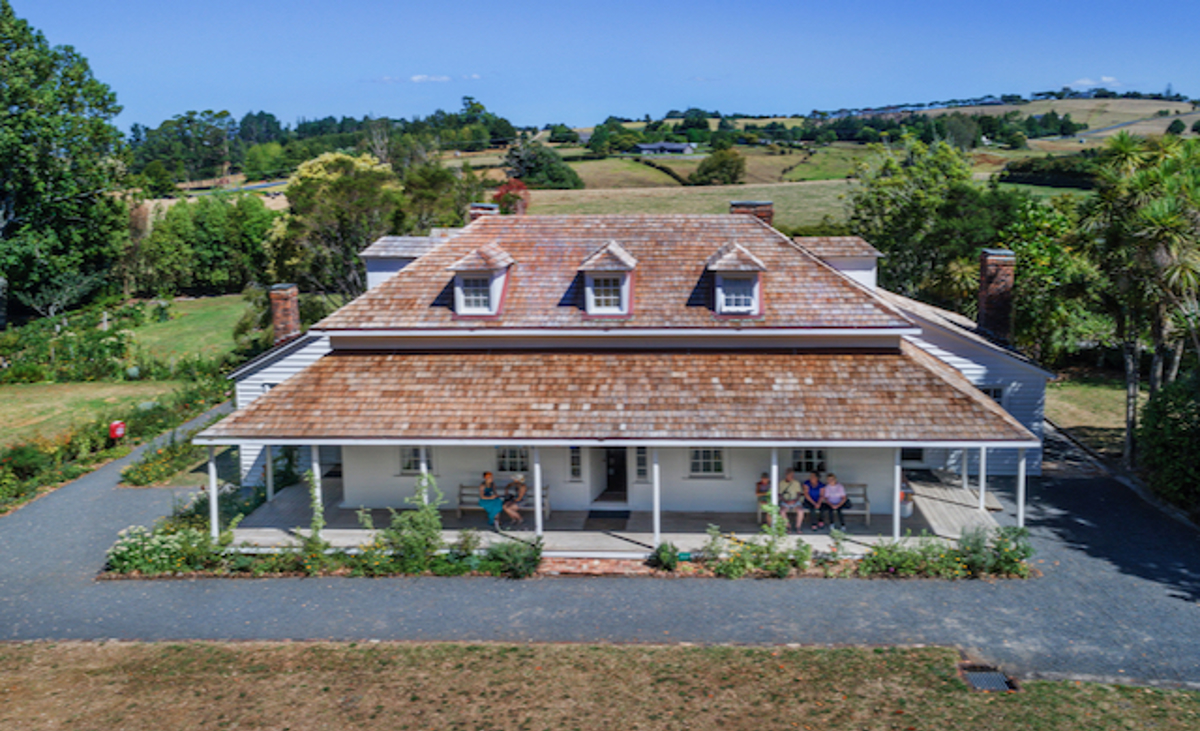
{"points": [[950, 510]]}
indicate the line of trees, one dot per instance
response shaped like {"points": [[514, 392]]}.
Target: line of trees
{"points": [[209, 144]]}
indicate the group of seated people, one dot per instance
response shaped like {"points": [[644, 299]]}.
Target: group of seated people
{"points": [[508, 504], [823, 501]]}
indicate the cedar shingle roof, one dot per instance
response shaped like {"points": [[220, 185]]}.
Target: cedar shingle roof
{"points": [[892, 396], [825, 247], [733, 257], [672, 289], [611, 257]]}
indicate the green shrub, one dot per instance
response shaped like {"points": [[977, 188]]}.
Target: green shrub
{"points": [[515, 559], [154, 552], [26, 461], [158, 465], [1170, 430], [665, 557], [1011, 551]]}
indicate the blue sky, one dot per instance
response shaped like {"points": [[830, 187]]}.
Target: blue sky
{"points": [[576, 63]]}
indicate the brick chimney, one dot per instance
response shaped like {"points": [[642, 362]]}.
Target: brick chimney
{"points": [[763, 209], [479, 210], [997, 269], [285, 312]]}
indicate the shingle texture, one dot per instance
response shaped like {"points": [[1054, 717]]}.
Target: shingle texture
{"points": [[832, 247], [672, 287], [896, 396], [393, 247]]}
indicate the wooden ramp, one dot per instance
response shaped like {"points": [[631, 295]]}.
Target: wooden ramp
{"points": [[951, 510]]}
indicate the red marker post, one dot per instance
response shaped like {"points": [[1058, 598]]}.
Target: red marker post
{"points": [[116, 430]]}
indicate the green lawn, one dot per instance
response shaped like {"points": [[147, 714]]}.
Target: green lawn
{"points": [[410, 685], [795, 203], [202, 326], [1092, 408], [617, 172], [35, 410]]}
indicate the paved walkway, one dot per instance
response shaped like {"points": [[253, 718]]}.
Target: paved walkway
{"points": [[1120, 597]]}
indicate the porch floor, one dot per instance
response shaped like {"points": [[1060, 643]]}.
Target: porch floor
{"points": [[942, 511]]}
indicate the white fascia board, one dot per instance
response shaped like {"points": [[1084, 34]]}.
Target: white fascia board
{"points": [[820, 444], [504, 332], [984, 345]]}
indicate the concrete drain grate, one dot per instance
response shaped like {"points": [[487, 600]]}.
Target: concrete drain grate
{"points": [[986, 679]]}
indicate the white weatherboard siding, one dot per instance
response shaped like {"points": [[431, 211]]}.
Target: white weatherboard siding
{"points": [[372, 478], [257, 380], [1024, 396], [861, 269], [379, 269]]}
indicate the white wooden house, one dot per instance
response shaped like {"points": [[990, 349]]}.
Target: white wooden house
{"points": [[654, 363]]}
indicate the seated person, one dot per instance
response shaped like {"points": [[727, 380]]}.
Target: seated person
{"points": [[814, 498], [490, 501], [514, 493], [835, 501], [789, 499]]}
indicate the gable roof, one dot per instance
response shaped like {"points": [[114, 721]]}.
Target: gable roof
{"points": [[673, 288], [612, 257], [836, 247], [489, 257], [889, 397], [732, 257], [400, 247]]}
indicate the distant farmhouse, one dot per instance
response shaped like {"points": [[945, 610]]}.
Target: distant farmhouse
{"points": [[666, 148]]}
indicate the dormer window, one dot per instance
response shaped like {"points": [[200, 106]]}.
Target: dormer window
{"points": [[737, 294], [738, 280], [608, 280], [479, 281]]}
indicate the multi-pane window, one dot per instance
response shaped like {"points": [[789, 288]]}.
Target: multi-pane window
{"points": [[576, 463], [641, 463], [737, 294], [512, 459], [606, 293], [708, 462], [808, 460], [995, 393], [410, 460], [477, 293]]}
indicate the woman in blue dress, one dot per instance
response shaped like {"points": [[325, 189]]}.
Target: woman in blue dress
{"points": [[490, 500]]}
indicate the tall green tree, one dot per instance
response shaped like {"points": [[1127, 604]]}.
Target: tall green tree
{"points": [[60, 224], [339, 205], [723, 167], [539, 166]]}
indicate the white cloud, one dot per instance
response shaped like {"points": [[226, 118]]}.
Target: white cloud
{"points": [[423, 78], [472, 77], [1104, 81]]}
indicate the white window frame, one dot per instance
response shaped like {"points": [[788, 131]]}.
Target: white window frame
{"points": [[495, 282], [806, 459], [988, 388], [641, 464], [594, 309], [512, 459], [575, 464], [755, 294], [716, 455], [410, 460]]}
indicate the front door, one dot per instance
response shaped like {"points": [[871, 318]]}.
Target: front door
{"points": [[616, 474]]}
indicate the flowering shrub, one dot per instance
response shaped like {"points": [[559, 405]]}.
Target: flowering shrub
{"points": [[1003, 553], [141, 550], [157, 465]]}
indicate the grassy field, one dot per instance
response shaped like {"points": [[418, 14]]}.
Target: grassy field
{"points": [[795, 203], [45, 409], [1092, 407], [1096, 113], [615, 172], [202, 326], [302, 686]]}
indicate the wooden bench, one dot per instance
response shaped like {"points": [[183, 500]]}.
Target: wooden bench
{"points": [[858, 498], [468, 499]]}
